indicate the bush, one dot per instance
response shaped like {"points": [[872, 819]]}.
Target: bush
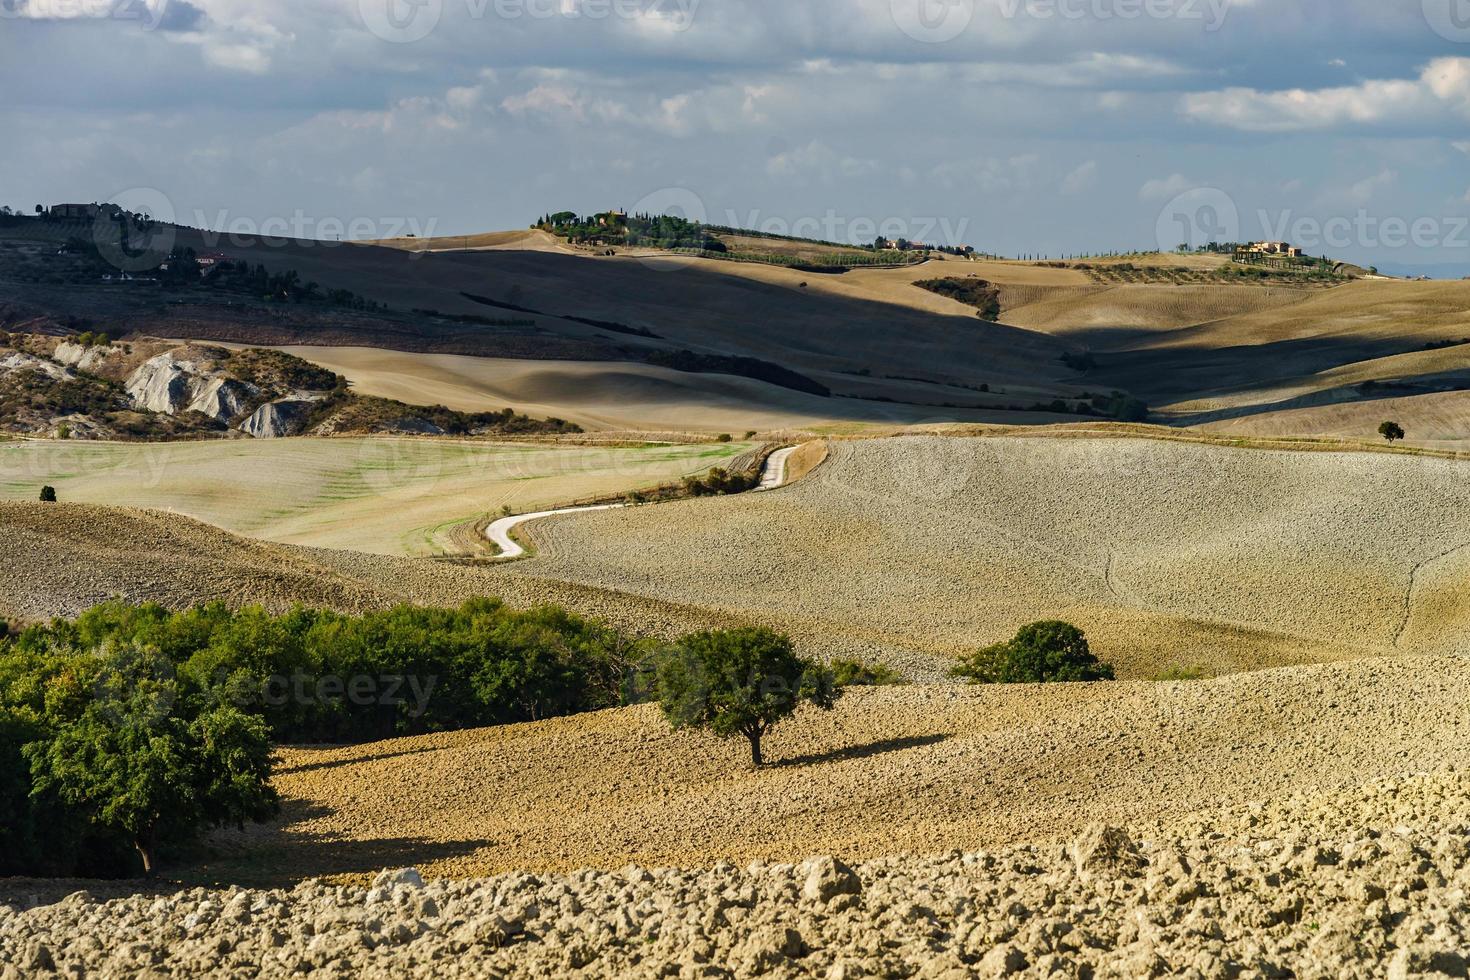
{"points": [[739, 682], [316, 676], [1391, 431], [856, 673], [48, 495], [718, 482], [1041, 653], [724, 437]]}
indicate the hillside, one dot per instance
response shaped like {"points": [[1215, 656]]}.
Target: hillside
{"points": [[87, 387], [920, 770], [1168, 555], [1171, 556], [392, 496], [644, 337]]}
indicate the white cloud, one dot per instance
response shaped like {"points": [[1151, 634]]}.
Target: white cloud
{"points": [[238, 57], [817, 160], [1084, 178], [1164, 188], [989, 175], [1362, 192], [1442, 88]]}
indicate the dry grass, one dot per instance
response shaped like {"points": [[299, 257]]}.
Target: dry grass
{"points": [[377, 495]]}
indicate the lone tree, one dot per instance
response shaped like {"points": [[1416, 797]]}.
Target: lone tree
{"points": [[1391, 431], [739, 682], [135, 761], [48, 495], [1042, 653]]}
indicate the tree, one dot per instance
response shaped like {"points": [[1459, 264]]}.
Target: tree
{"points": [[1041, 653], [1391, 431], [48, 495], [739, 682], [131, 761]]}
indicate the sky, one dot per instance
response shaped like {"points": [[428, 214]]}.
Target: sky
{"points": [[1045, 127]]}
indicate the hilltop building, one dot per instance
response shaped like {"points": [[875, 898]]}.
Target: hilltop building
{"points": [[1269, 253]]}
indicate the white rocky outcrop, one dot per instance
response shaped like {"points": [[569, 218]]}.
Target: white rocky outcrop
{"points": [[20, 361], [82, 358], [223, 398], [282, 417], [166, 383]]}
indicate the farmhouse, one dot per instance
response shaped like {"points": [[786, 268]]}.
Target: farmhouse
{"points": [[1285, 249], [74, 212], [1268, 253]]}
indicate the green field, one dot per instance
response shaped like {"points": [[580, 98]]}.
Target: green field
{"points": [[381, 495]]}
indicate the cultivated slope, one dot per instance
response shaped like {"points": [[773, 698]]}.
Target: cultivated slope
{"points": [[381, 495], [890, 771], [911, 550], [1166, 554]]}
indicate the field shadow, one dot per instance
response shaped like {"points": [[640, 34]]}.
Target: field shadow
{"points": [[350, 761], [861, 751], [276, 855]]}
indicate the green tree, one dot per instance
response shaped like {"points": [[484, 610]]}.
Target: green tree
{"points": [[1041, 653], [48, 495], [121, 752], [1391, 431], [739, 682]]}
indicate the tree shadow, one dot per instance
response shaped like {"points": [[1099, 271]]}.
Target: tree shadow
{"points": [[861, 751], [348, 760], [276, 855]]}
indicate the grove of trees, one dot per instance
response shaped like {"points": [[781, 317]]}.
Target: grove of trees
{"points": [[132, 729]]}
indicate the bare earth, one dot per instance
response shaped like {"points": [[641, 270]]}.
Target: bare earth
{"points": [[897, 770], [916, 549]]}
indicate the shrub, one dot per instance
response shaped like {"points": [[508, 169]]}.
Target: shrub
{"points": [[1391, 431], [1041, 653], [724, 437], [420, 670], [718, 482], [856, 673], [48, 495], [739, 682]]}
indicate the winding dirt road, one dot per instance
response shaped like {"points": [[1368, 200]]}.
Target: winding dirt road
{"points": [[773, 475]]}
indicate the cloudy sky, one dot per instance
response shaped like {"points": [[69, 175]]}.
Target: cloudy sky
{"points": [[1017, 126]]}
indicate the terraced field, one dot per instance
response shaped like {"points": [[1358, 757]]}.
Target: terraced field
{"points": [[398, 496]]}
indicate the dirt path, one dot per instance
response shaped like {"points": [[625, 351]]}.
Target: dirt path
{"points": [[773, 475]]}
